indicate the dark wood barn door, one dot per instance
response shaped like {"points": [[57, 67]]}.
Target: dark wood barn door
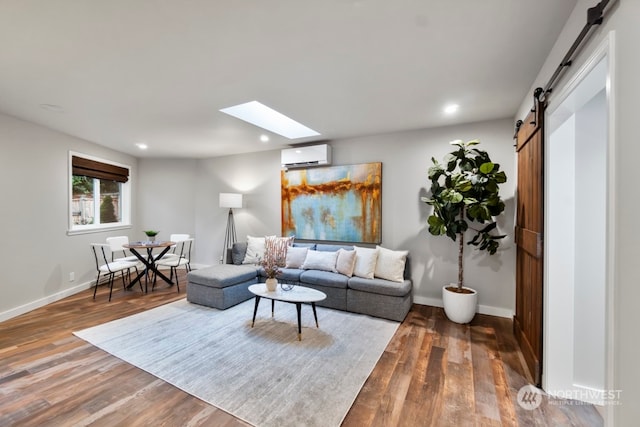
{"points": [[527, 322]]}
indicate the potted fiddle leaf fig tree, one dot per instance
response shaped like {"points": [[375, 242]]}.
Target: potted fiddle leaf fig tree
{"points": [[465, 198]]}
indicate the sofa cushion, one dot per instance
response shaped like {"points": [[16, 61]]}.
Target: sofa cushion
{"points": [[332, 248], [290, 274], [222, 275], [380, 286], [317, 260], [390, 264], [324, 278], [365, 262], [346, 262], [295, 257]]}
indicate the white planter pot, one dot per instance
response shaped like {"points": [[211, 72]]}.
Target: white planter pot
{"points": [[459, 308], [271, 284]]}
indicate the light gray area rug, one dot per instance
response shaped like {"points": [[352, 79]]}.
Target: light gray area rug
{"points": [[262, 375]]}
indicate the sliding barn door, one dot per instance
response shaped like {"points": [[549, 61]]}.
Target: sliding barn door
{"points": [[529, 227]]}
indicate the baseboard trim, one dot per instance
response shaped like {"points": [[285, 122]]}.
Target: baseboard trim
{"points": [[17, 311], [6, 315], [482, 309]]}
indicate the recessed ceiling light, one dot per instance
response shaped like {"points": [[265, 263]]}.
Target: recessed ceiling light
{"points": [[267, 118], [451, 108], [142, 145], [52, 107], [264, 138]]}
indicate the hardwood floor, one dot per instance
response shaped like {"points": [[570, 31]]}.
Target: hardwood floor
{"points": [[433, 373]]}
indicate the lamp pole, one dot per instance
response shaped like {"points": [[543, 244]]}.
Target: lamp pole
{"points": [[230, 201], [229, 238]]}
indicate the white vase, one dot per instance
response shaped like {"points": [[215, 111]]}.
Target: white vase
{"points": [[271, 284], [459, 307]]}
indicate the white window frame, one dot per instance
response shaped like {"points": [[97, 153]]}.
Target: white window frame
{"points": [[125, 202]]}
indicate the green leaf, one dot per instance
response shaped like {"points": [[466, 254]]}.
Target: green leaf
{"points": [[491, 186], [500, 177], [463, 186], [436, 226], [479, 212], [435, 172], [452, 196], [451, 165], [489, 227], [469, 201], [486, 168]]}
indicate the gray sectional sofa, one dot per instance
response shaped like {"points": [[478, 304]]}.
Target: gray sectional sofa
{"points": [[222, 286]]}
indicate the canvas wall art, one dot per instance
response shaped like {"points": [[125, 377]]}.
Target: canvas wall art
{"points": [[337, 203]]}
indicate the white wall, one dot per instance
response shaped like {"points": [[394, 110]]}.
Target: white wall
{"points": [[166, 201], [405, 157], [559, 241], [182, 196], [626, 316], [257, 177], [591, 242], [37, 255]]}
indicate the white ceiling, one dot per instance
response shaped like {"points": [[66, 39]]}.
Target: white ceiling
{"points": [[158, 71]]}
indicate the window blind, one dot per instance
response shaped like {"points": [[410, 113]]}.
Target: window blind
{"points": [[95, 169]]}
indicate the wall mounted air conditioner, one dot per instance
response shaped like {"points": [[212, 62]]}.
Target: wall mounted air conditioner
{"points": [[312, 155]]}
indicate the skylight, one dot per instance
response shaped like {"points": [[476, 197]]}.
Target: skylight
{"points": [[267, 118]]}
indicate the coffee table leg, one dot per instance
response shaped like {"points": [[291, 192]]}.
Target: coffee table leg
{"points": [[315, 315], [273, 303], [299, 308], [255, 310]]}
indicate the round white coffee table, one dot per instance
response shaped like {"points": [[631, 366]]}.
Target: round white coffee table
{"points": [[298, 295]]}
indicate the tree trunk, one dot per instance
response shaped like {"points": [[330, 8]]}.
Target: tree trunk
{"points": [[461, 254]]}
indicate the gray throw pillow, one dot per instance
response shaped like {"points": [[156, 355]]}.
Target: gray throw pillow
{"points": [[237, 252]]}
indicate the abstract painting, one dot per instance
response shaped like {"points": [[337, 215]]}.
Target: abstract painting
{"points": [[337, 203]]}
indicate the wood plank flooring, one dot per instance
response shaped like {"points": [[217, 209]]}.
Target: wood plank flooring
{"points": [[433, 373]]}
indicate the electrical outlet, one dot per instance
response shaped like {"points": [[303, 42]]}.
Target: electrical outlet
{"points": [[72, 276]]}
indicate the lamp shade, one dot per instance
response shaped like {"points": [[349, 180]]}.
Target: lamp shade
{"points": [[230, 200]]}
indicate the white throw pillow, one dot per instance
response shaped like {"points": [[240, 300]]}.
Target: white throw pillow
{"points": [[296, 257], [365, 262], [255, 250], [346, 262], [390, 264], [320, 260]]}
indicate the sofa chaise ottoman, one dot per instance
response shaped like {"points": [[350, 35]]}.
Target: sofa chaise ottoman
{"points": [[221, 286]]}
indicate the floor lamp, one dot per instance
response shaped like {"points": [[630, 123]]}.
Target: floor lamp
{"points": [[229, 200]]}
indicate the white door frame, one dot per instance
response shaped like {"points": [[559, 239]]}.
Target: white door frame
{"points": [[604, 51]]}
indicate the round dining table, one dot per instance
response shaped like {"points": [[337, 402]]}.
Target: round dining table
{"points": [[149, 260]]}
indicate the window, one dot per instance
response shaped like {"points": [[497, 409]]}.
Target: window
{"points": [[99, 194]]}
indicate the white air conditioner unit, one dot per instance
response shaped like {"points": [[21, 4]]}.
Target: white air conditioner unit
{"points": [[313, 155]]}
